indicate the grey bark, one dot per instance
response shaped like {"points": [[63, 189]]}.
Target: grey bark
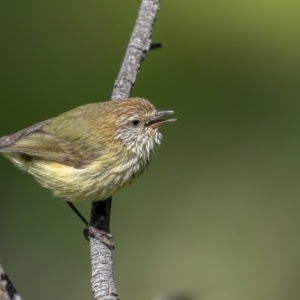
{"points": [[137, 48], [103, 283]]}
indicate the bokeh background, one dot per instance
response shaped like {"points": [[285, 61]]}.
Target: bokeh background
{"points": [[217, 215]]}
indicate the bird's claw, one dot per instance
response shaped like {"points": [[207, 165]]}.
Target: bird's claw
{"points": [[100, 235]]}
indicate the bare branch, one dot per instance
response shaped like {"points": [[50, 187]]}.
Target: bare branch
{"points": [[137, 48], [103, 284], [7, 289]]}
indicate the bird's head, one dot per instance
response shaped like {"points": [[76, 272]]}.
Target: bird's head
{"points": [[138, 123]]}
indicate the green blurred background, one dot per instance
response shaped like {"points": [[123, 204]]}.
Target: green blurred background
{"points": [[217, 214]]}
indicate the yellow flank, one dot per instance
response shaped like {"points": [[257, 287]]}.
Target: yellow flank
{"points": [[58, 168], [91, 183]]}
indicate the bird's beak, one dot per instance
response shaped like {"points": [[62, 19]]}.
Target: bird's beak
{"points": [[156, 122]]}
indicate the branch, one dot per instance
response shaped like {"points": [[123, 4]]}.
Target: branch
{"points": [[103, 284], [7, 289], [137, 48]]}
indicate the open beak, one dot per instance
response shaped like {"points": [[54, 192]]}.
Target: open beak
{"points": [[157, 121]]}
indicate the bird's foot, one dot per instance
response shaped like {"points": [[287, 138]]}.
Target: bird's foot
{"points": [[100, 235]]}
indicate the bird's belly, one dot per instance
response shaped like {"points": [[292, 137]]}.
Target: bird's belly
{"points": [[91, 183]]}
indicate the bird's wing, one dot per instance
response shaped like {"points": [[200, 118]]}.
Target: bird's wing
{"points": [[40, 142]]}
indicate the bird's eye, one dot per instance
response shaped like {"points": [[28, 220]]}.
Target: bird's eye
{"points": [[135, 123]]}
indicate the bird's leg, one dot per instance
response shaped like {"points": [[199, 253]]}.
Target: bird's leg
{"points": [[100, 235]]}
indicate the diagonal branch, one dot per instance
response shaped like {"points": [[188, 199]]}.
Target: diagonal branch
{"points": [[7, 289], [103, 284], [137, 48]]}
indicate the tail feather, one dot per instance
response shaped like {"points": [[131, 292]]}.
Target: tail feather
{"points": [[5, 140]]}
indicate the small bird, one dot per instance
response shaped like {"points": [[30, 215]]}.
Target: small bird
{"points": [[89, 152]]}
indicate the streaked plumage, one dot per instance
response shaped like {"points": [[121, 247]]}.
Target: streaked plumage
{"points": [[89, 152]]}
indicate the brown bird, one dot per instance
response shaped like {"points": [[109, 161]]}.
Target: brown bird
{"points": [[90, 152]]}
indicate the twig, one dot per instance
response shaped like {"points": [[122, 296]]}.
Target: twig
{"points": [[7, 289], [103, 284], [154, 46]]}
